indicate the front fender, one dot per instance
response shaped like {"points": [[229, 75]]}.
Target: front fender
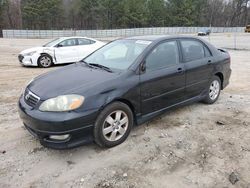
{"points": [[50, 52], [126, 90]]}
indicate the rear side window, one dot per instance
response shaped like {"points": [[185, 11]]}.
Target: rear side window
{"points": [[164, 55], [85, 41], [193, 50]]}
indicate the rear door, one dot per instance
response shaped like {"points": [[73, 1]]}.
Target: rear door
{"points": [[198, 65], [163, 82], [66, 51]]}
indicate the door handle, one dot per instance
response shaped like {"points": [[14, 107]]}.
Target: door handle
{"points": [[209, 61], [180, 70]]}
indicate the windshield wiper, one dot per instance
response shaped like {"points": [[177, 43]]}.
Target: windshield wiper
{"points": [[101, 66], [82, 61]]}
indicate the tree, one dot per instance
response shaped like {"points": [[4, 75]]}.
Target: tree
{"points": [[110, 14], [156, 13], [42, 14], [2, 9]]}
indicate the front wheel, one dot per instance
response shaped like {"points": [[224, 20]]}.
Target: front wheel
{"points": [[213, 91], [113, 125], [44, 61]]}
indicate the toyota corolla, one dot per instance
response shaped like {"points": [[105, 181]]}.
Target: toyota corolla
{"points": [[125, 83]]}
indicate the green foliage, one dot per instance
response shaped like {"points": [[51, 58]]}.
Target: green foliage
{"points": [[41, 14], [3, 4], [185, 12], [109, 14], [156, 12]]}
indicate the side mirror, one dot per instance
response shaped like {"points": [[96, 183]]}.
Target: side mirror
{"points": [[143, 67], [59, 45]]}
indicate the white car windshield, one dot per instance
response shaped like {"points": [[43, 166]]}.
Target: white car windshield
{"points": [[119, 54], [52, 43]]}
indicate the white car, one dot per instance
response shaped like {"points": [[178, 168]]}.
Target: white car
{"points": [[60, 50]]}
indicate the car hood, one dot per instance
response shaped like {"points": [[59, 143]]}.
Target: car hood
{"points": [[35, 49], [72, 79]]}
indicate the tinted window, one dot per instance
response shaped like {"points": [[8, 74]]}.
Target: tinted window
{"points": [[207, 52], [164, 55], [85, 41], [192, 50], [68, 42]]}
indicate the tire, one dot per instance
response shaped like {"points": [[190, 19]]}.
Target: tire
{"points": [[44, 61], [213, 90], [110, 130]]}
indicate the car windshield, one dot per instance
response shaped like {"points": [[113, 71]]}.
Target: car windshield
{"points": [[119, 54], [52, 43]]}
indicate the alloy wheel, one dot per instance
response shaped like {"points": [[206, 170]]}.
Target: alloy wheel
{"points": [[45, 61], [214, 90], [115, 125]]}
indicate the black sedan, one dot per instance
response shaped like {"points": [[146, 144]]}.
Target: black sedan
{"points": [[125, 83]]}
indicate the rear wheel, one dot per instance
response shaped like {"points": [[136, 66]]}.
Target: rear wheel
{"points": [[213, 91], [113, 125], [45, 61]]}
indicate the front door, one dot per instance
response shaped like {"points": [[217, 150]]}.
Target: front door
{"points": [[66, 51], [162, 83]]}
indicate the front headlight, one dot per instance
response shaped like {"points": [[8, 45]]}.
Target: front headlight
{"points": [[62, 103], [30, 53]]}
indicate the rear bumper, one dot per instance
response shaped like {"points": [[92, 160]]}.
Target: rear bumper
{"points": [[42, 125], [227, 76]]}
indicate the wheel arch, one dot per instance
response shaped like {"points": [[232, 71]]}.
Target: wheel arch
{"points": [[221, 76], [43, 53], [125, 101]]}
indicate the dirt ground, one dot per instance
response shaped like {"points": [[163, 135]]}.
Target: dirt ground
{"points": [[194, 146]]}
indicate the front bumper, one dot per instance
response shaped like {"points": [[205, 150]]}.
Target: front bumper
{"points": [[78, 125], [28, 60]]}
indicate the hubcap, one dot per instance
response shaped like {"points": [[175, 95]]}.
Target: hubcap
{"points": [[115, 125], [45, 61], [214, 90]]}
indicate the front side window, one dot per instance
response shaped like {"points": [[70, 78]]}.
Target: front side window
{"points": [[68, 42], [164, 55], [207, 52], [119, 54], [192, 50]]}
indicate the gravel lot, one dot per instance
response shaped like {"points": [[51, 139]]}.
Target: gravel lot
{"points": [[194, 146]]}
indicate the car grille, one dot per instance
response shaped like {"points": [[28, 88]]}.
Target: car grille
{"points": [[20, 57], [30, 98]]}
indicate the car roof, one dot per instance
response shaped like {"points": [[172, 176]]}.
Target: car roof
{"points": [[147, 37], [63, 38], [160, 37]]}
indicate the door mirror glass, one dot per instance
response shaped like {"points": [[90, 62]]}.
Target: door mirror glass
{"points": [[59, 45]]}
